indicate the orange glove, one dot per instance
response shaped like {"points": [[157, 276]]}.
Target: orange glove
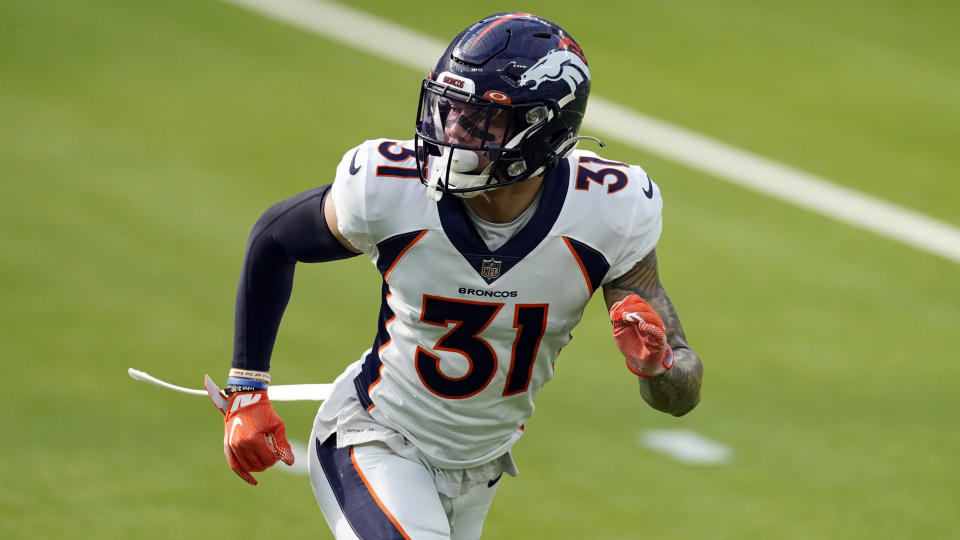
{"points": [[639, 334], [254, 437]]}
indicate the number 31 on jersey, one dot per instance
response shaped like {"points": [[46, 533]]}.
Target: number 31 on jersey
{"points": [[470, 319]]}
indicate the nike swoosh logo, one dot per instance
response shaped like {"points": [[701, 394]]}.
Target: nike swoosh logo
{"points": [[236, 422], [648, 191], [493, 482], [353, 163]]}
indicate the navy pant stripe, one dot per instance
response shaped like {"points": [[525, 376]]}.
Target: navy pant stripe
{"points": [[357, 503]]}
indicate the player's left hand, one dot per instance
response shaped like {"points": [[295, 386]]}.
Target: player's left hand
{"points": [[638, 331], [254, 437]]}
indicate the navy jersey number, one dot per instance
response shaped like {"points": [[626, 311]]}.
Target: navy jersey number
{"points": [[386, 150], [470, 319], [530, 320], [585, 176]]}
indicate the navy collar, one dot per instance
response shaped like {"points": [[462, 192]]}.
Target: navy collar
{"points": [[490, 265]]}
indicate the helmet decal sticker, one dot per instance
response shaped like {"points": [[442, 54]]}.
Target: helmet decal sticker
{"points": [[557, 65], [497, 96], [456, 81], [447, 79]]}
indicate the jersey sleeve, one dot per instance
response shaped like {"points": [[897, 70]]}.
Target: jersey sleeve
{"points": [[643, 231], [350, 197]]}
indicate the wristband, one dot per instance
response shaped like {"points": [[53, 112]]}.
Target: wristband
{"points": [[248, 379], [261, 376], [232, 389], [256, 385]]}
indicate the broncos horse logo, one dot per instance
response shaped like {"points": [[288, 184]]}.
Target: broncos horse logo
{"points": [[557, 65]]}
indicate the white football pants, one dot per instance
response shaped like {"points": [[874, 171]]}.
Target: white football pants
{"points": [[368, 492]]}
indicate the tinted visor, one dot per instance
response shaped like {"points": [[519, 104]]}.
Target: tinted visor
{"points": [[450, 117]]}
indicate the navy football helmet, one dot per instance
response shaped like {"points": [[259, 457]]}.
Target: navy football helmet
{"points": [[504, 103]]}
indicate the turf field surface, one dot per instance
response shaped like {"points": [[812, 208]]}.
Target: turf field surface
{"points": [[140, 141]]}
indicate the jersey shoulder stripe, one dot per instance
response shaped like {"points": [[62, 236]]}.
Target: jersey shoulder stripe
{"points": [[392, 249], [593, 264]]}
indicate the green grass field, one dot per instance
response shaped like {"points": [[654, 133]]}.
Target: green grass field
{"points": [[140, 140]]}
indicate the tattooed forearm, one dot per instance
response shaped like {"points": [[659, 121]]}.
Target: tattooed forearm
{"points": [[677, 391], [644, 281]]}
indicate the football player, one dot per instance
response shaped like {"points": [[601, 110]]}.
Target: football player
{"points": [[491, 231]]}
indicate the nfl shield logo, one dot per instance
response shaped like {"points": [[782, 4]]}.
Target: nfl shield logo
{"points": [[490, 268]]}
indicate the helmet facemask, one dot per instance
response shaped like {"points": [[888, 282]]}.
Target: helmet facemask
{"points": [[467, 144]]}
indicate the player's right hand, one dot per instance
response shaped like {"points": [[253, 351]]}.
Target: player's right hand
{"points": [[254, 437]]}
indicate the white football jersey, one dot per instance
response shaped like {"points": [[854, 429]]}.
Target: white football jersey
{"points": [[466, 336]]}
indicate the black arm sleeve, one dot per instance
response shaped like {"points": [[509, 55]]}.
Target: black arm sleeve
{"points": [[291, 231]]}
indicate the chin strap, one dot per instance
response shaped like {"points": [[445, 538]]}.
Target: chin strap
{"points": [[454, 166], [461, 180]]}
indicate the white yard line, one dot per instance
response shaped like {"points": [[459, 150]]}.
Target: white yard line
{"points": [[362, 31], [774, 179], [685, 446], [355, 29], [300, 457]]}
